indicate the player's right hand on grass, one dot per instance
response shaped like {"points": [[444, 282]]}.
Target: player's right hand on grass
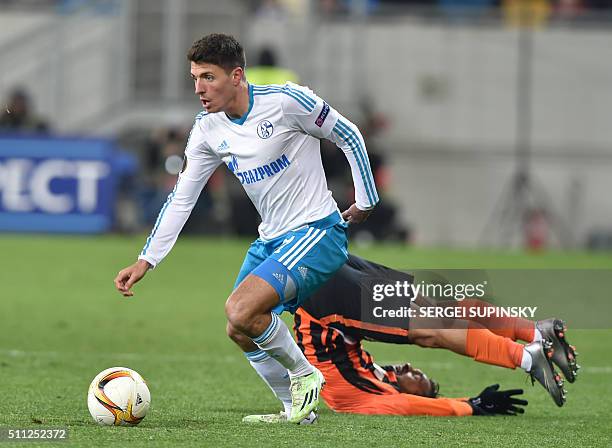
{"points": [[492, 401], [126, 278]]}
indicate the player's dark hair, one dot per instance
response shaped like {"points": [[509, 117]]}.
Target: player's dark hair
{"points": [[218, 49]]}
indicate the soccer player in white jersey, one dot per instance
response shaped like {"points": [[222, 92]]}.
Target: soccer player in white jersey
{"points": [[268, 136]]}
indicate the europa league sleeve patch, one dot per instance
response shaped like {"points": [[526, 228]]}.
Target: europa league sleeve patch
{"points": [[323, 115], [184, 164]]}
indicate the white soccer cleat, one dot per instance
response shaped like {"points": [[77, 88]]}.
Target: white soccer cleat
{"points": [[305, 392], [281, 417]]}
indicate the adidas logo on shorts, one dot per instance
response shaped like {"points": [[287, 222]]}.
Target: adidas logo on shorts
{"points": [[303, 270], [279, 277]]}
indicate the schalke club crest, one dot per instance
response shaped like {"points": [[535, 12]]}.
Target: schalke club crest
{"points": [[265, 129]]}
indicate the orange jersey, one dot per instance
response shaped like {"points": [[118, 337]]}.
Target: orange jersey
{"points": [[329, 332]]}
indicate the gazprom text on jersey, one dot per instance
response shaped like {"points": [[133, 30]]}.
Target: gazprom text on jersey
{"points": [[260, 173]]}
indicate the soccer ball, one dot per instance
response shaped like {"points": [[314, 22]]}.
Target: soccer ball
{"points": [[118, 396]]}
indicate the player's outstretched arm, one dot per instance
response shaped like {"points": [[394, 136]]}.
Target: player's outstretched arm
{"points": [[126, 278]]}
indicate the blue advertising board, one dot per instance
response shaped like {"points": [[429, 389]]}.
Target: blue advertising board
{"points": [[50, 184]]}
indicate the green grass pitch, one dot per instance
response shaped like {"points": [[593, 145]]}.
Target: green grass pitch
{"points": [[61, 322]]}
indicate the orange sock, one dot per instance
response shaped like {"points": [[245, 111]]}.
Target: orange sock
{"points": [[485, 346], [524, 330], [514, 328]]}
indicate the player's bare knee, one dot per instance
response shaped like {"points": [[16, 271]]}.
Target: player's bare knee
{"points": [[240, 339], [239, 314], [427, 341], [425, 337], [237, 336], [233, 333], [236, 317], [232, 309]]}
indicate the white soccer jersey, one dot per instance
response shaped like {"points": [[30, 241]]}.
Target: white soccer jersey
{"points": [[274, 151]]}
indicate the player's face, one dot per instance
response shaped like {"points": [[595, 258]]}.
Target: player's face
{"points": [[414, 381], [215, 88]]}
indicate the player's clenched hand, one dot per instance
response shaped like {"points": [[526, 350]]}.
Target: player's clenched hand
{"points": [[126, 278], [492, 401], [354, 215]]}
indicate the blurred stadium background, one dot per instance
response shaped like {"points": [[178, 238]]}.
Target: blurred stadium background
{"points": [[487, 122], [488, 126]]}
